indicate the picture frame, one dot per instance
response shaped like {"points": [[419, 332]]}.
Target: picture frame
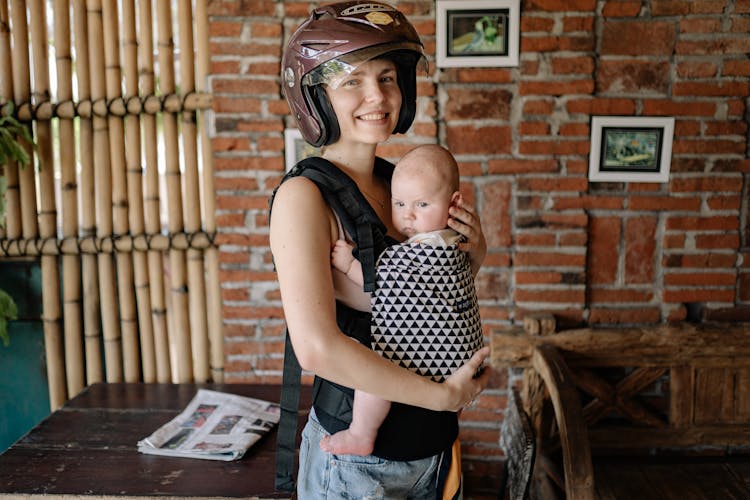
{"points": [[630, 148], [478, 33], [296, 148]]}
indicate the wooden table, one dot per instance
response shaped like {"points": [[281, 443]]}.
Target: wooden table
{"points": [[88, 448]]}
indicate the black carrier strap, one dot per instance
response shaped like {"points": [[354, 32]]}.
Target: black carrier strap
{"points": [[361, 222], [286, 441]]}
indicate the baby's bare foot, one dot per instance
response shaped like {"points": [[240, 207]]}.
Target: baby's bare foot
{"points": [[346, 443]]}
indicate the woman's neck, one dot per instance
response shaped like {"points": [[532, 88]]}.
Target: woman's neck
{"points": [[357, 161]]}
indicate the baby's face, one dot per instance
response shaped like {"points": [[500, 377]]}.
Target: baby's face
{"points": [[419, 203]]}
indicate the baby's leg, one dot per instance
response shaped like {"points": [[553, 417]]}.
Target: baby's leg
{"points": [[368, 412]]}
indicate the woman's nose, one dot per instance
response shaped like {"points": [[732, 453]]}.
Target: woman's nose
{"points": [[375, 93]]}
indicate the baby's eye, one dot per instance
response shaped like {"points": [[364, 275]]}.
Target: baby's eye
{"points": [[422, 204], [398, 204]]}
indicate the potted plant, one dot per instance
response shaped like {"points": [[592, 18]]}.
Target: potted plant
{"points": [[12, 132]]}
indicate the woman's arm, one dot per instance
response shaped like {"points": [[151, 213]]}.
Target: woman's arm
{"points": [[463, 218], [302, 234]]}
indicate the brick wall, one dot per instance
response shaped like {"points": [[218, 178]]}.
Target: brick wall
{"points": [[591, 253]]}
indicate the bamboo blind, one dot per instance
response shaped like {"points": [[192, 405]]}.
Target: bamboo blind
{"points": [[129, 268]]}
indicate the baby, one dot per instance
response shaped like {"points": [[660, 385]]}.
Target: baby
{"points": [[424, 186]]}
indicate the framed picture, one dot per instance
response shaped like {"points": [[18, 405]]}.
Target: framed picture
{"points": [[477, 33], [630, 149], [296, 148]]}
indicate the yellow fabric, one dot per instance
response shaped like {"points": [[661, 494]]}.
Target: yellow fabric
{"points": [[452, 488]]}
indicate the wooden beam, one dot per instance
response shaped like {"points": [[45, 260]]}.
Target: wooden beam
{"points": [[715, 345]]}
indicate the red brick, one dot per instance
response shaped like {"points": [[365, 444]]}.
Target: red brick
{"points": [[495, 213], [743, 289], [664, 203], [545, 259], [585, 86], [547, 184], [619, 295], [684, 7], [699, 295], [218, 28], [701, 25], [514, 166], [716, 146], [579, 129], [598, 106], [538, 107], [549, 296], [572, 65], [640, 249], [588, 202], [700, 279], [736, 68], [698, 69], [726, 128], [724, 202], [472, 139], [716, 223], [530, 23], [478, 104], [708, 183], [718, 241], [621, 8], [624, 316], [245, 86], [578, 23], [604, 236], [634, 76], [638, 38], [712, 89], [700, 261], [538, 278], [714, 46], [533, 128], [554, 147], [559, 5], [659, 107]]}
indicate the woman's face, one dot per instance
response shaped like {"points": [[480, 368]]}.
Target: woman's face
{"points": [[367, 102]]}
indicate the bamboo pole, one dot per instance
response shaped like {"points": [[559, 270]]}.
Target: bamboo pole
{"points": [[135, 193], [152, 199], [51, 310], [103, 176], [90, 273], [180, 331], [22, 93], [74, 361], [196, 276], [124, 260], [12, 224], [211, 255]]}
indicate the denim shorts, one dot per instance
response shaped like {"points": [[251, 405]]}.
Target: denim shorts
{"points": [[326, 476]]}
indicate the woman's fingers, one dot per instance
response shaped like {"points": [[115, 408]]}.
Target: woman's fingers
{"points": [[469, 380]]}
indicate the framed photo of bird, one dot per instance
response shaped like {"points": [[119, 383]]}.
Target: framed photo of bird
{"points": [[477, 33], [630, 148]]}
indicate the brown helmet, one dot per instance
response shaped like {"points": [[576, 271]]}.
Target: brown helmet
{"points": [[332, 42]]}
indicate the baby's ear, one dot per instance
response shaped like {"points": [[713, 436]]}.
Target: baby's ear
{"points": [[454, 198]]}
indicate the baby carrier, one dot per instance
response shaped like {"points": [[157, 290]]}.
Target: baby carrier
{"points": [[429, 432], [424, 310]]}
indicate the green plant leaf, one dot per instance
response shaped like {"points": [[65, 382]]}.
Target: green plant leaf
{"points": [[8, 311]]}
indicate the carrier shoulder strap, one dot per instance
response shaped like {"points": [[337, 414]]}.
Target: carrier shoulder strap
{"points": [[359, 220]]}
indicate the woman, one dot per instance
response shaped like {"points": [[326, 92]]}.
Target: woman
{"points": [[349, 75]]}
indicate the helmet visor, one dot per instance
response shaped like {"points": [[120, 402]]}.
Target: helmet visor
{"points": [[335, 71]]}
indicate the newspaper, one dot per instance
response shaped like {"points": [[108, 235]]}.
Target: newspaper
{"points": [[213, 426]]}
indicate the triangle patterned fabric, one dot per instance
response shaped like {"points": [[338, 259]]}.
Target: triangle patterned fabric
{"points": [[424, 311]]}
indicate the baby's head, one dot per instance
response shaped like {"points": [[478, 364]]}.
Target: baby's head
{"points": [[425, 184]]}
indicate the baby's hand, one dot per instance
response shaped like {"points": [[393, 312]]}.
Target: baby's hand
{"points": [[341, 256]]}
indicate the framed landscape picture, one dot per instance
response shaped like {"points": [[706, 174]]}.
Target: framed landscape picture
{"points": [[630, 148], [477, 33]]}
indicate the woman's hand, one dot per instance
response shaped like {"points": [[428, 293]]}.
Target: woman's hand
{"points": [[467, 382], [464, 219]]}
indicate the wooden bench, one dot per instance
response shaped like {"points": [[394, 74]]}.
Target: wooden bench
{"points": [[658, 412]]}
